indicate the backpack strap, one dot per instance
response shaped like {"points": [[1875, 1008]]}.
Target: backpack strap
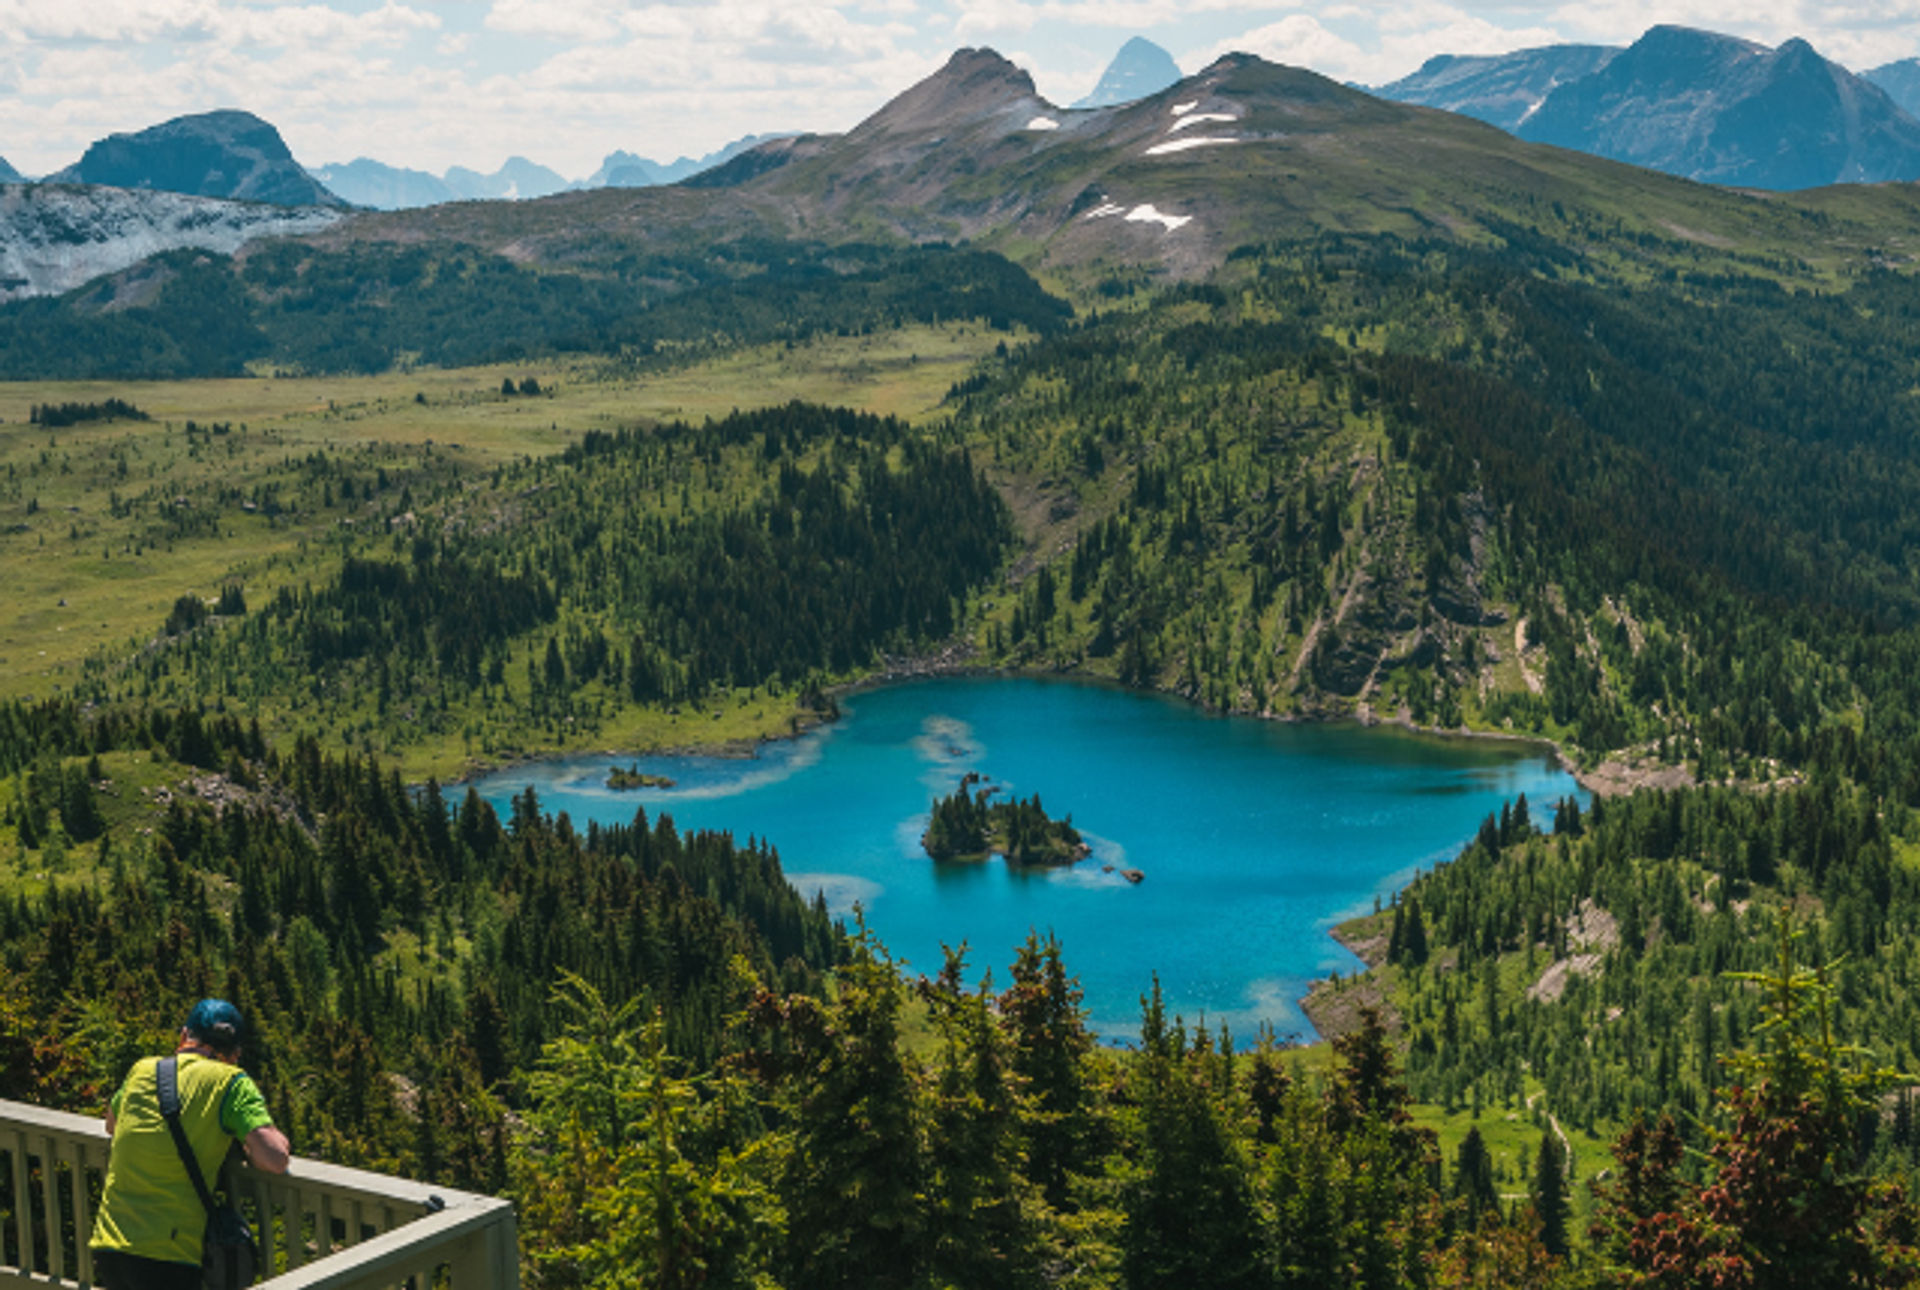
{"points": [[166, 1077]]}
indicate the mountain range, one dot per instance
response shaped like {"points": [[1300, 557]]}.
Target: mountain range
{"points": [[1500, 89], [238, 156], [1173, 182], [625, 170], [375, 184], [366, 182], [1693, 103]]}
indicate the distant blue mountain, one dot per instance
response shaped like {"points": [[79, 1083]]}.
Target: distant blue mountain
{"points": [[1500, 89], [518, 179], [1901, 81], [625, 170], [212, 154], [1140, 69], [8, 174], [1730, 111], [366, 182], [1694, 103]]}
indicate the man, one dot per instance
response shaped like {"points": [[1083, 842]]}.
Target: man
{"points": [[147, 1234]]}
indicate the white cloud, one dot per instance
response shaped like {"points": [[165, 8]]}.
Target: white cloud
{"points": [[556, 19], [1297, 40], [106, 21]]}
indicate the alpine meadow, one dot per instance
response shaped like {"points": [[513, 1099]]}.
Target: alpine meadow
{"points": [[1259, 391]]}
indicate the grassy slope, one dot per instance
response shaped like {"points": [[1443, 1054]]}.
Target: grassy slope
{"points": [[116, 598]]}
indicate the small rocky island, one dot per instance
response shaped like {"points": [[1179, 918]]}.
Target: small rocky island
{"points": [[970, 825], [627, 777]]}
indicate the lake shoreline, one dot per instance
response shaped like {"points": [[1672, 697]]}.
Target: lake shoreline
{"points": [[1333, 1003], [1609, 778]]}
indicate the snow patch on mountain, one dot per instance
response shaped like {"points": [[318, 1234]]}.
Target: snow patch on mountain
{"points": [[1198, 118], [1147, 213], [54, 237], [1181, 145], [1043, 123]]}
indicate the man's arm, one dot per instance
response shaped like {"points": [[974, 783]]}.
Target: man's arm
{"points": [[267, 1150], [243, 1113]]}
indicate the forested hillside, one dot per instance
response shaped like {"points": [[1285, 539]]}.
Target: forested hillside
{"points": [[1351, 471], [772, 549], [371, 308]]}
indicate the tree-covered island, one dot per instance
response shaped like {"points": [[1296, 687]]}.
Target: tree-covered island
{"points": [[969, 825], [623, 778]]}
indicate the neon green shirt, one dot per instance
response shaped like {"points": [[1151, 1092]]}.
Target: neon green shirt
{"points": [[149, 1207]]}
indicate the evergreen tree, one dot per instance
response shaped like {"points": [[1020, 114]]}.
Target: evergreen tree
{"points": [[981, 1229], [1550, 1202], [855, 1180], [1051, 1049], [1189, 1215], [1473, 1178]]}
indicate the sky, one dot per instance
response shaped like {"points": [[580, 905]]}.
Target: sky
{"points": [[433, 83]]}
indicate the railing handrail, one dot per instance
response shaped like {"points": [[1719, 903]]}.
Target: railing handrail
{"points": [[423, 1224], [356, 1184], [396, 1251]]}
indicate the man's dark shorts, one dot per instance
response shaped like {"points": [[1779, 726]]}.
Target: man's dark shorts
{"points": [[117, 1270]]}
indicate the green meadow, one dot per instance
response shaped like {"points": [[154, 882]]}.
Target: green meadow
{"points": [[103, 525]]}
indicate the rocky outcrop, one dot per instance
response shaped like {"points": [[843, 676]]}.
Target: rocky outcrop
{"points": [[54, 237]]}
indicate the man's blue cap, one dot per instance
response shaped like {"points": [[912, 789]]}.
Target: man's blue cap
{"points": [[217, 1023]]}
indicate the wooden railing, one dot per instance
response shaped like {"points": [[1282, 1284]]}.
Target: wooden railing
{"points": [[320, 1227]]}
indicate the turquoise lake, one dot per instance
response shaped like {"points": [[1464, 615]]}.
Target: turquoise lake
{"points": [[1255, 836]]}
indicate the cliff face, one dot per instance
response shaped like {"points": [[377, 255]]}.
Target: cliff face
{"points": [[54, 237]]}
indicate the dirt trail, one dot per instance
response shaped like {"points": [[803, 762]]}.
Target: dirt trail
{"points": [[1321, 622], [1534, 683]]}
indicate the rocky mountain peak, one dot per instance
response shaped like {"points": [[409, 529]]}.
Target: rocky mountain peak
{"points": [[226, 153], [1671, 56], [975, 83]]}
